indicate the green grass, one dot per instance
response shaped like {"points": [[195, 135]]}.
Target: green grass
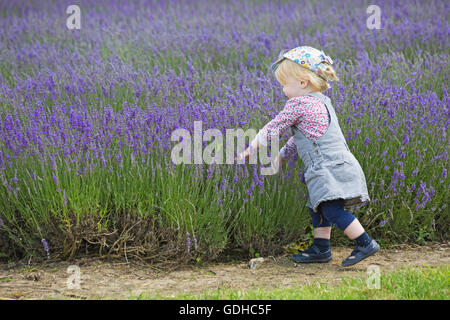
{"points": [[425, 283]]}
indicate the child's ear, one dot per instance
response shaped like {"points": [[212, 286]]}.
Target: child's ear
{"points": [[304, 83]]}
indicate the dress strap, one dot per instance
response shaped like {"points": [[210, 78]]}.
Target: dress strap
{"points": [[318, 95]]}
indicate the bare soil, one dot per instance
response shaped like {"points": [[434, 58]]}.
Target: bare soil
{"points": [[108, 279]]}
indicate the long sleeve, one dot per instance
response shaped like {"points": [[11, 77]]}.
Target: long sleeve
{"points": [[289, 116], [289, 149]]}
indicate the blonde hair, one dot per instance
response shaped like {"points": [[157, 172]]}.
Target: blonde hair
{"points": [[288, 68]]}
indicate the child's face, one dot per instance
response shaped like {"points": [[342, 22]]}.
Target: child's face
{"points": [[295, 88]]}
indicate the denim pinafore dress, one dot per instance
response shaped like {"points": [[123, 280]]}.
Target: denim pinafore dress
{"points": [[331, 170]]}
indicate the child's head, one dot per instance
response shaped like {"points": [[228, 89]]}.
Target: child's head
{"points": [[302, 67]]}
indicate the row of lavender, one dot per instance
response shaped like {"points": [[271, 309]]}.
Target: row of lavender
{"points": [[86, 118]]}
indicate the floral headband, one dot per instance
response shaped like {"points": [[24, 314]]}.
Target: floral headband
{"points": [[307, 57]]}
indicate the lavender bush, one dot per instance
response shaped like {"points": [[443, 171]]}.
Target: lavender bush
{"points": [[86, 118]]}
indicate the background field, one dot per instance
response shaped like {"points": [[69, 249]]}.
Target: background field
{"points": [[86, 117]]}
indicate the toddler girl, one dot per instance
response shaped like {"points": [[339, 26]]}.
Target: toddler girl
{"points": [[333, 176]]}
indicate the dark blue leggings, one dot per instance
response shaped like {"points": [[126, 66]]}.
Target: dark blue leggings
{"points": [[331, 212]]}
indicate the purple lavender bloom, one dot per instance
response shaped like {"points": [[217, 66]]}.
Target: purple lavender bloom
{"points": [[188, 242], [405, 139], [382, 223], [46, 247], [302, 177], [210, 170]]}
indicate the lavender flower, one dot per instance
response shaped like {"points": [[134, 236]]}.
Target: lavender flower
{"points": [[188, 242], [405, 139], [46, 247], [302, 177]]}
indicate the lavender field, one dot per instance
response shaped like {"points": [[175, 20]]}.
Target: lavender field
{"points": [[86, 118]]}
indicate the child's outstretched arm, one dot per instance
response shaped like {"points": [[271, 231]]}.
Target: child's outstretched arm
{"points": [[288, 117]]}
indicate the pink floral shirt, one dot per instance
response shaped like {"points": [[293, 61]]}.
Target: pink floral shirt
{"points": [[306, 113]]}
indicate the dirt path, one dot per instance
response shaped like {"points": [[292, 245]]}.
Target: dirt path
{"points": [[118, 280]]}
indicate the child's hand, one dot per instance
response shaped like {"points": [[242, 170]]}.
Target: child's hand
{"points": [[243, 155], [246, 153], [278, 164]]}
